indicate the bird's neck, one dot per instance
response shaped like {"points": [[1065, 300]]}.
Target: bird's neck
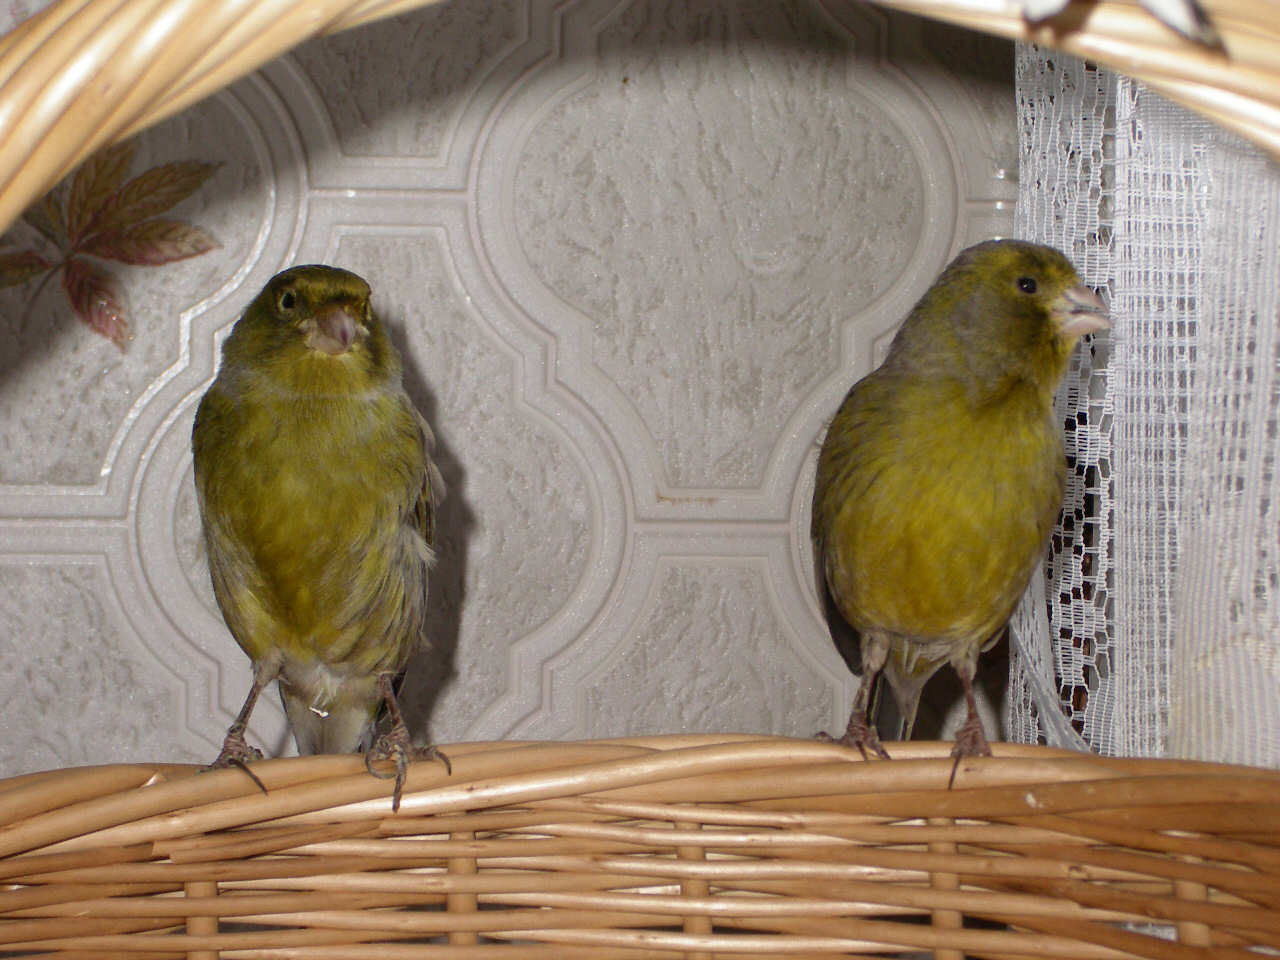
{"points": [[319, 376], [1027, 377]]}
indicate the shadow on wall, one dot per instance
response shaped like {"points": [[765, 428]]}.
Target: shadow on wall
{"points": [[433, 667]]}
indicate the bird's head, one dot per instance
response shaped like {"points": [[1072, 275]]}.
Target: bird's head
{"points": [[312, 330], [1003, 310]]}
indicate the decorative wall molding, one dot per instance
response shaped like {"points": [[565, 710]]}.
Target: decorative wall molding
{"points": [[634, 254]]}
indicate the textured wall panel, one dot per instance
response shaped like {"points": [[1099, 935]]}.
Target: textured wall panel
{"points": [[634, 253]]}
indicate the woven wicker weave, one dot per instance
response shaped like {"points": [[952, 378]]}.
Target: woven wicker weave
{"points": [[666, 847], [682, 846]]}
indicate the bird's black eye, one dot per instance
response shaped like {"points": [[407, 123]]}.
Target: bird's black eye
{"points": [[288, 300], [1027, 284]]}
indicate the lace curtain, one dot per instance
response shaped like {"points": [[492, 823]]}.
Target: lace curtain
{"points": [[1156, 628]]}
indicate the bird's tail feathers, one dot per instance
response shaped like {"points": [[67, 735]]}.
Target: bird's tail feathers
{"points": [[887, 715], [895, 717]]}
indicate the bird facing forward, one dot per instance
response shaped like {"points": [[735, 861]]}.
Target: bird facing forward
{"points": [[942, 474], [317, 498]]}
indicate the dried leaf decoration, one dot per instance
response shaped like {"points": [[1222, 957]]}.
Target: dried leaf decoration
{"points": [[99, 214], [16, 268], [96, 299]]}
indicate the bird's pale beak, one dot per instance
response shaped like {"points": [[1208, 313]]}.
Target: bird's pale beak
{"points": [[334, 329], [1078, 310]]}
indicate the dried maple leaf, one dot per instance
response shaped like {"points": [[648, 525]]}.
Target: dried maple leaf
{"points": [[94, 184], [98, 213], [150, 193], [96, 299], [17, 268], [46, 216], [150, 243]]}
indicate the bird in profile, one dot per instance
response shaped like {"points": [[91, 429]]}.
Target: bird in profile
{"points": [[942, 474], [317, 498]]}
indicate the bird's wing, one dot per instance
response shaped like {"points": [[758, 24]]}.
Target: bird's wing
{"points": [[846, 638], [433, 489], [238, 584], [1187, 17], [882, 711]]}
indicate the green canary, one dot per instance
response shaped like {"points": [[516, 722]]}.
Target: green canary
{"points": [[942, 474], [317, 496]]}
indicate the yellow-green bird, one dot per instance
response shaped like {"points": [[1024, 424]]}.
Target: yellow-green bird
{"points": [[942, 473], [317, 497]]}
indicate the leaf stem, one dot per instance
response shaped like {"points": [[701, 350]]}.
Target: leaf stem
{"points": [[31, 303]]}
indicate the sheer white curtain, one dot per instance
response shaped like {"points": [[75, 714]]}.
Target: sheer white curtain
{"points": [[1156, 630]]}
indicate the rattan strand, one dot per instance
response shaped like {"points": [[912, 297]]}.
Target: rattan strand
{"points": [[709, 847]]}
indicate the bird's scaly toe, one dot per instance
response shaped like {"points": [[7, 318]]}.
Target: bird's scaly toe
{"points": [[396, 745], [861, 735], [433, 753], [236, 751], [971, 741]]}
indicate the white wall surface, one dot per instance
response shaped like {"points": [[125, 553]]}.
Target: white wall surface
{"points": [[634, 254]]}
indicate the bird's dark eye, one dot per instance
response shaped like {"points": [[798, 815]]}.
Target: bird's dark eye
{"points": [[1027, 284], [288, 300]]}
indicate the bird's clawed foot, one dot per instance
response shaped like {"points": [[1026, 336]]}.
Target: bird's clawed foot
{"points": [[971, 741], [236, 749], [859, 734], [236, 752], [396, 745]]}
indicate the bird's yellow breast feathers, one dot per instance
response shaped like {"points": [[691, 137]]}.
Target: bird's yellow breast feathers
{"points": [[942, 472], [935, 522], [315, 483]]}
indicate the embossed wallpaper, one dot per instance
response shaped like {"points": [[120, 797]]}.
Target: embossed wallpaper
{"points": [[634, 254]]}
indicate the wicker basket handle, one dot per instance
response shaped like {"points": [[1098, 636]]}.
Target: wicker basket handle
{"points": [[86, 73]]}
